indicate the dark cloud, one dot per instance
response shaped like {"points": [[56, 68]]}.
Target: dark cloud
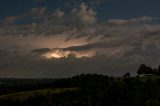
{"points": [[81, 48], [79, 22], [89, 46], [41, 50], [152, 33], [3, 53], [48, 23], [39, 12], [30, 67], [149, 51], [120, 43], [134, 21]]}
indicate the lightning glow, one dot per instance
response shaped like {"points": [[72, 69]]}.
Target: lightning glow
{"points": [[60, 54]]}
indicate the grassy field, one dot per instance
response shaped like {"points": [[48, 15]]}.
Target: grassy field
{"points": [[26, 94]]}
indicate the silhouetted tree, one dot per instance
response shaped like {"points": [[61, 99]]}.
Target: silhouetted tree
{"points": [[127, 75], [155, 71], [149, 70], [158, 70], [142, 69]]}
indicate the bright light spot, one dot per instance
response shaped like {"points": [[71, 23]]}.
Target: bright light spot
{"points": [[59, 54]]}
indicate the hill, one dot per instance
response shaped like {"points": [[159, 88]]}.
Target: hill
{"points": [[87, 90]]}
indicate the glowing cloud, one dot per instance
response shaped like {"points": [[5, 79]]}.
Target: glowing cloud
{"points": [[60, 54]]}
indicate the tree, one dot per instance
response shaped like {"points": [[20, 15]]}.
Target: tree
{"points": [[158, 71], [149, 70], [127, 75], [142, 69]]}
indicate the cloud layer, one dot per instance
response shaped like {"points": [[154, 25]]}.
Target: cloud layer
{"points": [[120, 44]]}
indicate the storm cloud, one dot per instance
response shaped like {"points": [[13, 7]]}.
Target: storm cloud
{"points": [[120, 44]]}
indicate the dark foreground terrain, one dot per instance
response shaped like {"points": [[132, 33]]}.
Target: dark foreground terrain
{"points": [[81, 90]]}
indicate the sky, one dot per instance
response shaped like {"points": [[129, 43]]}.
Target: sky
{"points": [[62, 38]]}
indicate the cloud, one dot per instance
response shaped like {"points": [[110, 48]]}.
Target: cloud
{"points": [[84, 15], [79, 22], [35, 12], [120, 44], [151, 32], [120, 34], [30, 67], [57, 17], [81, 48], [38, 11], [58, 13], [10, 20], [87, 47], [42, 22], [4, 53], [41, 50], [134, 21]]}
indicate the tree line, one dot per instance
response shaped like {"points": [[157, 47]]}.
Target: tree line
{"points": [[97, 90], [143, 69]]}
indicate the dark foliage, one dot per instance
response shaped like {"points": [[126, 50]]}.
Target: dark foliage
{"points": [[97, 90], [143, 69]]}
